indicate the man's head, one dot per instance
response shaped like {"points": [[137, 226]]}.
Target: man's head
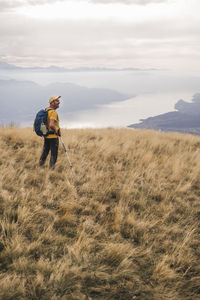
{"points": [[54, 101]]}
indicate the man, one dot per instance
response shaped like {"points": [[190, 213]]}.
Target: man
{"points": [[51, 141]]}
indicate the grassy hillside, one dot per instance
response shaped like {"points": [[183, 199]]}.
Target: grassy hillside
{"points": [[126, 226]]}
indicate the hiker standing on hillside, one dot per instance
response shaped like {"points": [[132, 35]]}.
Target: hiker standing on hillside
{"points": [[51, 141]]}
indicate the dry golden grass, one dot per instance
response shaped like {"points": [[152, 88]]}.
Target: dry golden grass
{"points": [[126, 226]]}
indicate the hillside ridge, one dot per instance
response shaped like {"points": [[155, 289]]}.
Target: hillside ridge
{"points": [[184, 120], [126, 226]]}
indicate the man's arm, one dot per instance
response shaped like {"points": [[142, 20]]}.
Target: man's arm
{"points": [[53, 127]]}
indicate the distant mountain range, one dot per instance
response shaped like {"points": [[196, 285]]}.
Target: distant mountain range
{"points": [[186, 119], [20, 100], [10, 67]]}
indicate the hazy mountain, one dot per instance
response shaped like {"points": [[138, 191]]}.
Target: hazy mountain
{"points": [[20, 100], [6, 66], [186, 119]]}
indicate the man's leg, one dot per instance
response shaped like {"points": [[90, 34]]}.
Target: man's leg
{"points": [[45, 151], [54, 152]]}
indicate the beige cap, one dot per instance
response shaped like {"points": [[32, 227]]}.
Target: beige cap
{"points": [[52, 98]]}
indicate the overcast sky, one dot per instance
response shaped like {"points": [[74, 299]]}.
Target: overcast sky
{"points": [[163, 34]]}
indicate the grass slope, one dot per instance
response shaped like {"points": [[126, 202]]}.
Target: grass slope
{"points": [[125, 227]]}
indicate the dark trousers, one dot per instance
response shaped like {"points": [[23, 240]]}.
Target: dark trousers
{"points": [[50, 145]]}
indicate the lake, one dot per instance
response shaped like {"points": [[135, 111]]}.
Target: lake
{"points": [[149, 93]]}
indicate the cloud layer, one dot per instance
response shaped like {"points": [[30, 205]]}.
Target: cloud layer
{"points": [[139, 36], [139, 2], [4, 4], [8, 4]]}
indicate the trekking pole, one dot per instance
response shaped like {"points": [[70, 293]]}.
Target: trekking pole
{"points": [[70, 164]]}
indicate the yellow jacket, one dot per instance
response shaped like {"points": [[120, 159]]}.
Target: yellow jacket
{"points": [[52, 114]]}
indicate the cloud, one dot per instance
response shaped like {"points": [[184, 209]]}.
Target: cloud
{"points": [[163, 40], [10, 5], [139, 2], [108, 43], [7, 5]]}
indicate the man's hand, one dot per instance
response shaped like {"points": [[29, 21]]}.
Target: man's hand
{"points": [[59, 132], [52, 125]]}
